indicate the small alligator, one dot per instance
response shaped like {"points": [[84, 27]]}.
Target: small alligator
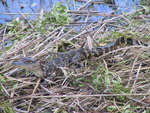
{"points": [[46, 68]]}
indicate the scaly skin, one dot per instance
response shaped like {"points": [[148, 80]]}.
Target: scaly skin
{"points": [[71, 57]]}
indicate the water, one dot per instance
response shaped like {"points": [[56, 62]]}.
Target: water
{"points": [[34, 6]]}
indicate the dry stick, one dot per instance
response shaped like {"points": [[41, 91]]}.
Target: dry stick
{"points": [[78, 23], [29, 37], [146, 105], [80, 106], [62, 84], [8, 71], [145, 68], [49, 104], [87, 17], [133, 86], [120, 49], [13, 34], [98, 30], [75, 24], [83, 32], [24, 52], [114, 101], [89, 41], [6, 91], [61, 32], [19, 13], [95, 14], [3, 40], [82, 13], [53, 33], [34, 91], [47, 90], [62, 36], [43, 43], [80, 8], [26, 20], [142, 86], [79, 11], [130, 77], [105, 21], [46, 105], [145, 61], [11, 53], [75, 96], [41, 13], [106, 67], [53, 42], [19, 80], [20, 86], [95, 41]]}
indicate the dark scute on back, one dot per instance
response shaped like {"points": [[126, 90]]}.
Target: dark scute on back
{"points": [[122, 40], [140, 43], [129, 41]]}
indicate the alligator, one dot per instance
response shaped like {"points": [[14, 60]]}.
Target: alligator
{"points": [[46, 68]]}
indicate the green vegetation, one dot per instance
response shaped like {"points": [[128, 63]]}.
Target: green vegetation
{"points": [[122, 109], [6, 108], [110, 81], [58, 16]]}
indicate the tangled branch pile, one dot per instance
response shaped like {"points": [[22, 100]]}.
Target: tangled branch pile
{"points": [[119, 84]]}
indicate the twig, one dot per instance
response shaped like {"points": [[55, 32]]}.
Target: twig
{"points": [[80, 8], [34, 91], [145, 104], [26, 20], [53, 42], [75, 96], [19, 80], [133, 86], [130, 77]]}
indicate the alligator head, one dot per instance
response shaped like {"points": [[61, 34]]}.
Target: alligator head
{"points": [[29, 64]]}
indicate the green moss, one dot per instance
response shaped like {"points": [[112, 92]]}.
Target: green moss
{"points": [[5, 107]]}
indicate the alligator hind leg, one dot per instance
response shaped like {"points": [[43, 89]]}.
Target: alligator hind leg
{"points": [[77, 58]]}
